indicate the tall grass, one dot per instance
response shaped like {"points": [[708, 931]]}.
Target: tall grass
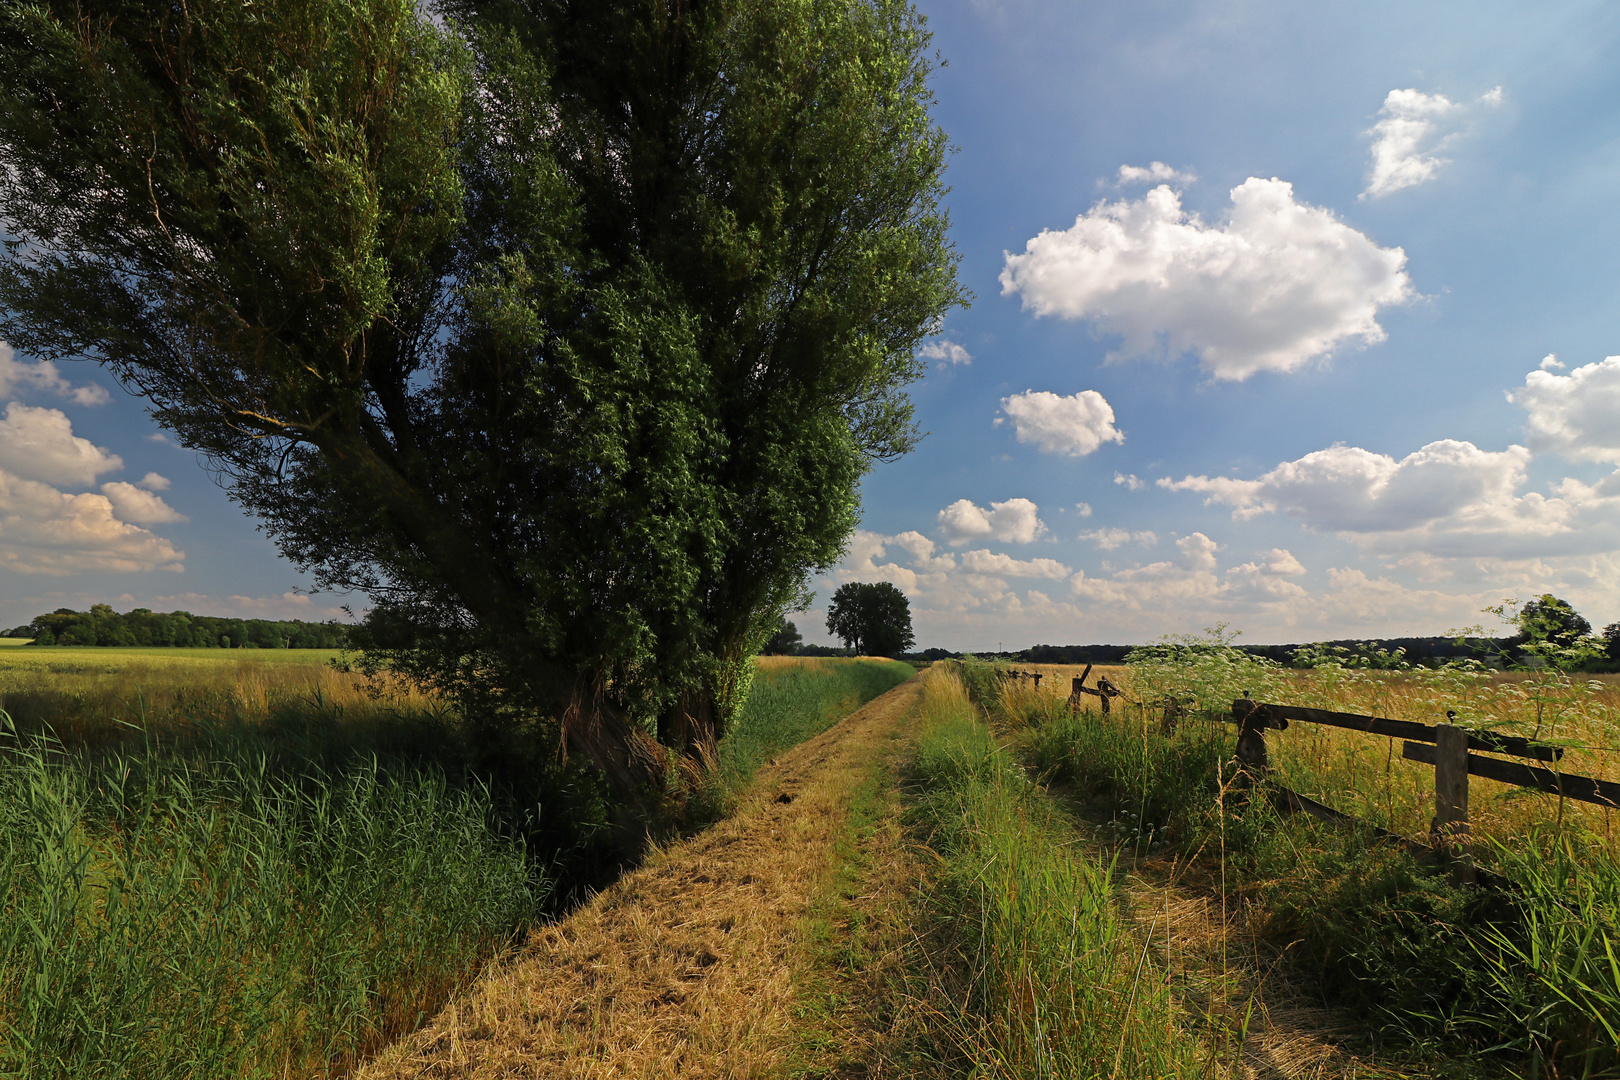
{"points": [[1033, 971], [201, 914]]}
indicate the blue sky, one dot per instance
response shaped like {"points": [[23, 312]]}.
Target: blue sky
{"points": [[1263, 296]]}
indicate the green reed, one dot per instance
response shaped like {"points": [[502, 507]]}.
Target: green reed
{"points": [[172, 914]]}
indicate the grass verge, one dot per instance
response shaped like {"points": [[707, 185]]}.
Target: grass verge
{"points": [[1029, 968]]}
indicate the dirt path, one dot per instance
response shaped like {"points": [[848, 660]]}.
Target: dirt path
{"points": [[1228, 981], [685, 967]]}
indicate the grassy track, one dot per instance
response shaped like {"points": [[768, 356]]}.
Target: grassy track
{"points": [[793, 699]]}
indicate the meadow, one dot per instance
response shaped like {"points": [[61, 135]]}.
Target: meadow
{"points": [[254, 863], [1523, 979]]}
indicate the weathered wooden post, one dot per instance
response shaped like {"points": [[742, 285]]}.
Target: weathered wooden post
{"points": [[1037, 680], [1251, 744], [1450, 829], [1172, 715], [1107, 691]]}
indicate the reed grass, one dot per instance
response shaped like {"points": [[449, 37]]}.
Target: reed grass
{"points": [[185, 914], [1032, 970]]}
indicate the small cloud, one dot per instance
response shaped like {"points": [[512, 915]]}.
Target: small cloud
{"points": [[1156, 173], [946, 352], [1130, 481], [131, 503], [1410, 133], [1074, 426], [1083, 509], [18, 375], [1550, 362], [159, 437]]}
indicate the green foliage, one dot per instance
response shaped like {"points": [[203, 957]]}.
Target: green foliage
{"points": [[210, 913], [101, 625], [872, 618], [565, 332]]}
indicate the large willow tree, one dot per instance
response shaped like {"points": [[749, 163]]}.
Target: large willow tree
{"points": [[563, 329]]}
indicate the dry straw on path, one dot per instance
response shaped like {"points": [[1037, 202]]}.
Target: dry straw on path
{"points": [[685, 966]]}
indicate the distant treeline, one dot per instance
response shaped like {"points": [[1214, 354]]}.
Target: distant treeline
{"points": [[1377, 652], [101, 625]]}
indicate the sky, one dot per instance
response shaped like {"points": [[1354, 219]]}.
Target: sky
{"points": [[1300, 318]]}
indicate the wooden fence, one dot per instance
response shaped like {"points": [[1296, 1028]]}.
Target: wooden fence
{"points": [[1445, 746]]}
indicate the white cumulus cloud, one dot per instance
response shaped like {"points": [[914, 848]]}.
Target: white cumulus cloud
{"points": [[131, 503], [17, 376], [1576, 415], [1075, 425], [983, 561], [1412, 128], [1113, 539], [1348, 489], [1015, 521], [39, 444], [46, 531], [946, 352], [1280, 282]]}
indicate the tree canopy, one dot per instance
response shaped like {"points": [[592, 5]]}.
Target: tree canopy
{"points": [[562, 329], [874, 619]]}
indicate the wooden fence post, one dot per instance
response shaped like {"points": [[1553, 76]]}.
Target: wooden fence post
{"points": [[1251, 744], [1450, 829]]}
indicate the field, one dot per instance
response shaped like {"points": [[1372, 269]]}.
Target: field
{"points": [[250, 863]]}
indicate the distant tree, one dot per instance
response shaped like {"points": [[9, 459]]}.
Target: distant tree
{"points": [[1611, 641], [874, 619], [1547, 618], [564, 331], [785, 642], [1550, 631]]}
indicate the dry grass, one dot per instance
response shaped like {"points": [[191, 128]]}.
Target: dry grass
{"points": [[685, 967], [90, 694]]}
